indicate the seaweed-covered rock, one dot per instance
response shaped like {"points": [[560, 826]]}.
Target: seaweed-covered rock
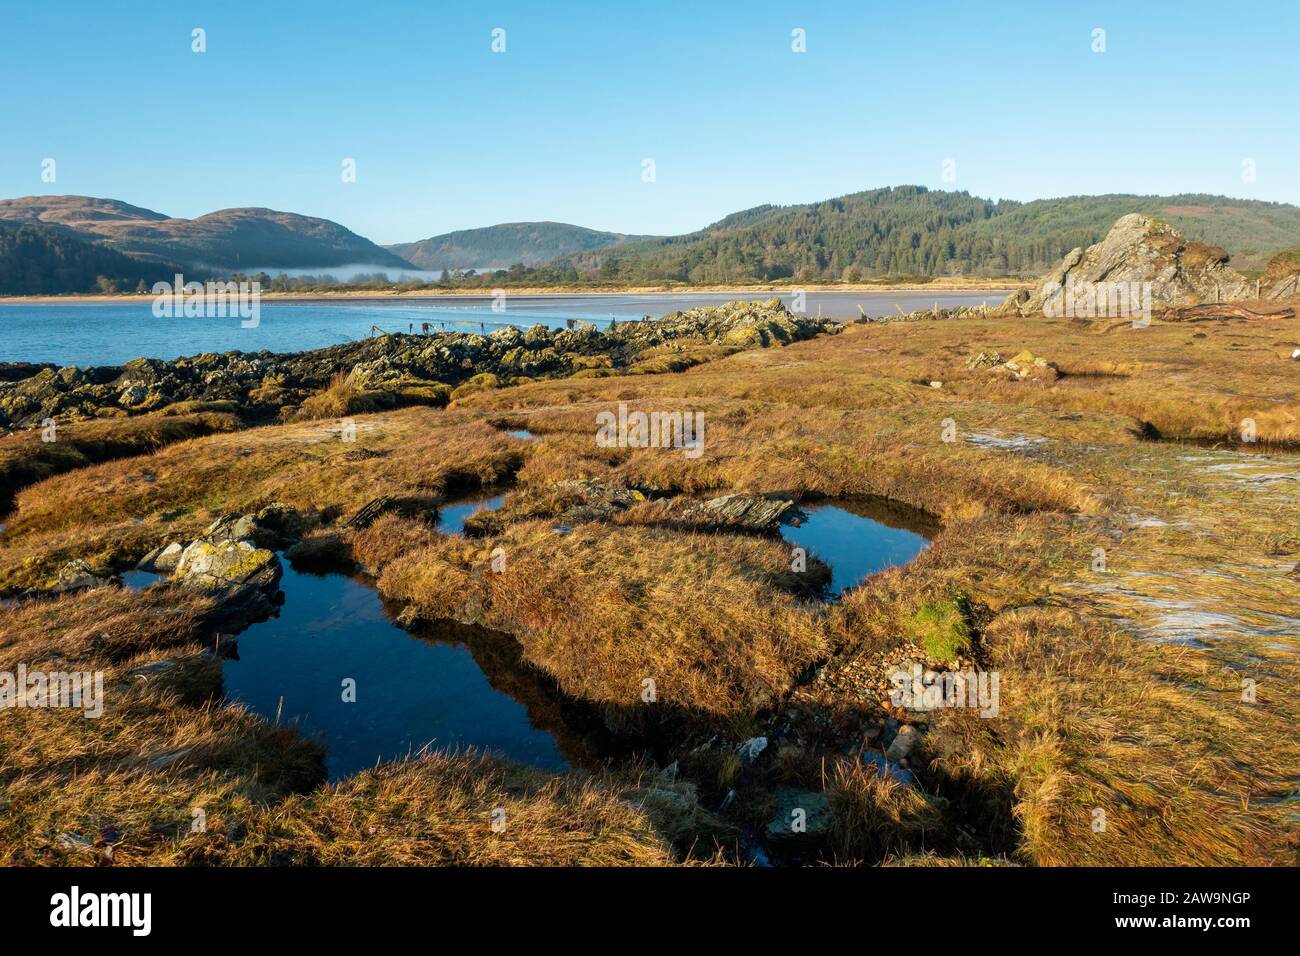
{"points": [[413, 368]]}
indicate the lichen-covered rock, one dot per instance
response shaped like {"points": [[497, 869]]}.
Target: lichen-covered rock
{"points": [[77, 575], [1141, 249], [736, 512], [984, 360], [1028, 365], [1013, 303], [227, 567], [231, 526], [244, 579], [904, 742], [594, 501], [1281, 280]]}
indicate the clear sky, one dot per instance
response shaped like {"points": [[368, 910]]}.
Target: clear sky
{"points": [[448, 135]]}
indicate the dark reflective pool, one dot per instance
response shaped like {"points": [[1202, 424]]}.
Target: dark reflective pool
{"points": [[858, 537], [410, 690], [333, 663], [451, 517]]}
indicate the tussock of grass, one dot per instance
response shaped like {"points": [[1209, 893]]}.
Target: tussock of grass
{"points": [[477, 383], [1150, 736], [940, 629], [605, 609], [439, 810], [876, 816], [344, 397]]}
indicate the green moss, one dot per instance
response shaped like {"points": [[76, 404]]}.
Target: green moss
{"points": [[941, 628]]}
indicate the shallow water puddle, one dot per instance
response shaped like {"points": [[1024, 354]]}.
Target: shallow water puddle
{"points": [[451, 517], [137, 580], [523, 434], [858, 538], [409, 692]]}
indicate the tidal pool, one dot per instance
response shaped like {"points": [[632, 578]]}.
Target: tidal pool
{"points": [[858, 537], [412, 690], [451, 516], [334, 664]]}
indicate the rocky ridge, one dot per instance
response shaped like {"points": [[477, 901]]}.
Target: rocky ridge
{"points": [[396, 368]]}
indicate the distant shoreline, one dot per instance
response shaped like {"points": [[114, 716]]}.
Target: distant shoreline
{"points": [[943, 286]]}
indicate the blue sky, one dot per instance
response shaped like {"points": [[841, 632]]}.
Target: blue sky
{"points": [[448, 135]]}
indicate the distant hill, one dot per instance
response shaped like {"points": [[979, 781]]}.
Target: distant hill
{"points": [[499, 247], [913, 230], [228, 240], [47, 259]]}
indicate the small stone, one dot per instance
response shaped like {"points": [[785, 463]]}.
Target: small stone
{"points": [[162, 560], [802, 819], [904, 742], [77, 575], [751, 748]]}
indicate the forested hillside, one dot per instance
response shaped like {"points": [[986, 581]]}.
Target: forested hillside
{"points": [[912, 230], [45, 260], [499, 247]]}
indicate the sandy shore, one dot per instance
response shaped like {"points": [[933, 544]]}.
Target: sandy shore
{"points": [[947, 285]]}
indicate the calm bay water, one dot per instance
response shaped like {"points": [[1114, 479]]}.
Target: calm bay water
{"points": [[113, 333]]}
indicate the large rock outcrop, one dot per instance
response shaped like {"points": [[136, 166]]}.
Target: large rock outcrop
{"points": [[1140, 249], [1282, 278]]}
